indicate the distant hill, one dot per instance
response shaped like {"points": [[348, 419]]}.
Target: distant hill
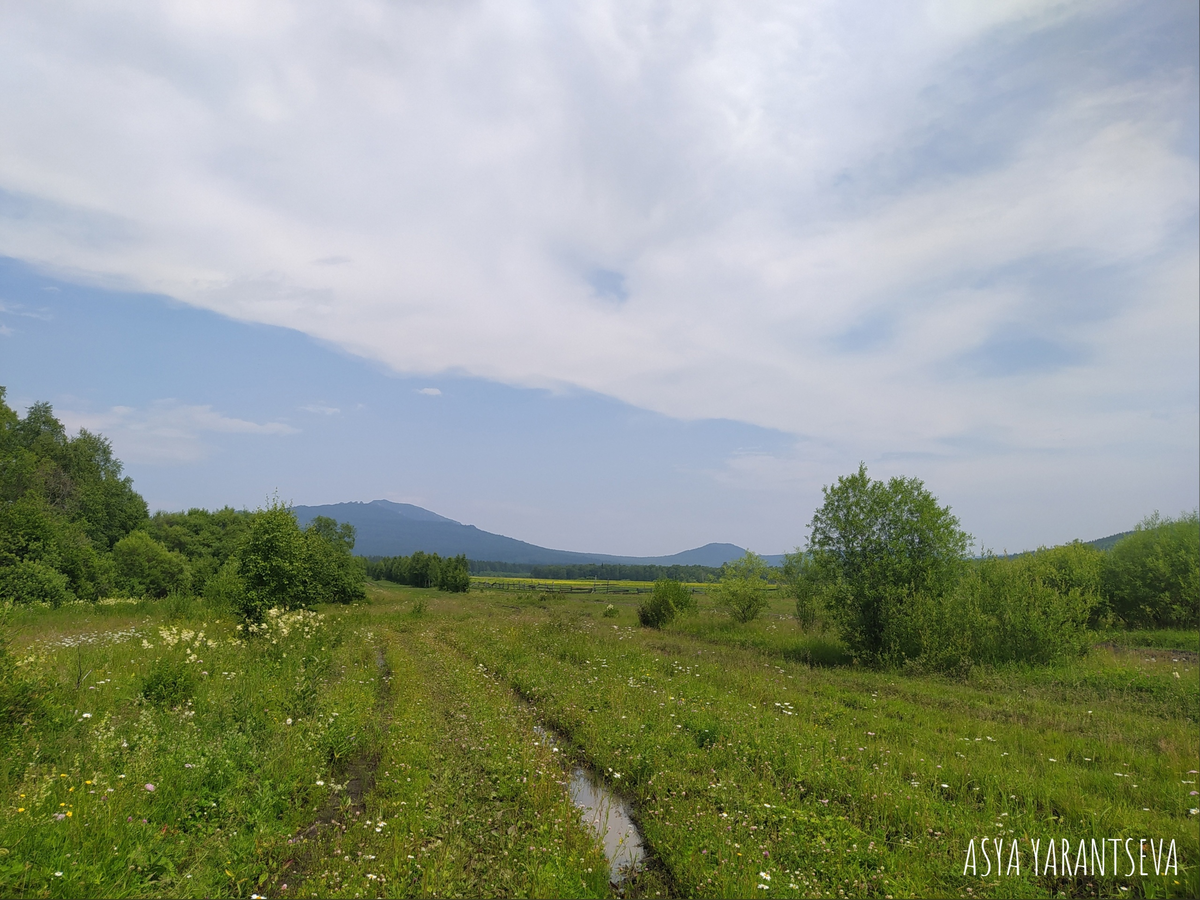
{"points": [[400, 529], [1106, 543]]}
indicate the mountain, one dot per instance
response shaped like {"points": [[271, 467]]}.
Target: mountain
{"points": [[400, 529]]}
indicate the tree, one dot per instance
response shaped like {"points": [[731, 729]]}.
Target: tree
{"points": [[63, 505], [454, 575], [335, 575], [876, 545], [743, 587], [272, 563]]}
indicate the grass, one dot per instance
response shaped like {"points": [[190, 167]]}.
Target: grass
{"points": [[389, 750]]}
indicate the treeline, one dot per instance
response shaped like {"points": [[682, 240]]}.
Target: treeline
{"points": [[626, 572], [73, 528], [423, 570], [492, 567], [598, 571], [64, 506]]}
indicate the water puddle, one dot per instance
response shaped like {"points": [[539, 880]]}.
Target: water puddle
{"points": [[606, 814]]}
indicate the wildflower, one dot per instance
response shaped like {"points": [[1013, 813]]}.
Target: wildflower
{"points": [[320, 783], [60, 816], [87, 715], [150, 788], [20, 809], [58, 874], [764, 875], [289, 721]]}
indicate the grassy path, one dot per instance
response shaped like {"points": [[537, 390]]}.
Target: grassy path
{"points": [[466, 802]]}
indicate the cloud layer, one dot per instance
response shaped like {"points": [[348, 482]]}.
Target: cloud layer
{"points": [[957, 232], [166, 432]]}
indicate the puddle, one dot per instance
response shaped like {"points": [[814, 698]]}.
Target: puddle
{"points": [[606, 814]]}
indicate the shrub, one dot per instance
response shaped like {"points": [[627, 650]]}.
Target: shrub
{"points": [[742, 590], [802, 582], [667, 600], [1001, 610], [1152, 576], [610, 612], [30, 581], [874, 547], [145, 568], [225, 589]]}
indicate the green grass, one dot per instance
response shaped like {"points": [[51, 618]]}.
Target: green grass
{"points": [[1165, 638], [410, 767]]}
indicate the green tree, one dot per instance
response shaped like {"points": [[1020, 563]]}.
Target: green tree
{"points": [[272, 563], [454, 575], [145, 568], [875, 545], [742, 590], [335, 575]]}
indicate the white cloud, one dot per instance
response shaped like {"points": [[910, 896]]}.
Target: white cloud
{"points": [[429, 391], [322, 409], [436, 187], [165, 432]]}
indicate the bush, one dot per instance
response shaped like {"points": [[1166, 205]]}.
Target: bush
{"points": [[225, 589], [30, 581], [1151, 578], [875, 546], [742, 590], [667, 600], [802, 582], [145, 568], [1000, 611]]}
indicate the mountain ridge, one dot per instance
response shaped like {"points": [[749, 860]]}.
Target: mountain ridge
{"points": [[386, 528]]}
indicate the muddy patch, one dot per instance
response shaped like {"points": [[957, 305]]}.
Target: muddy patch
{"points": [[606, 813], [354, 778]]}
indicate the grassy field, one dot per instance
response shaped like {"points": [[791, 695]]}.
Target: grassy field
{"points": [[158, 749]]}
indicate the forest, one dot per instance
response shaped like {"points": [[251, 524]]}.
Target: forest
{"points": [[72, 527]]}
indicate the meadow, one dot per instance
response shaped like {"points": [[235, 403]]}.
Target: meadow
{"points": [[162, 748]]}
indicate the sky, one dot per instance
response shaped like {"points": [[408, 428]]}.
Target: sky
{"points": [[614, 277]]}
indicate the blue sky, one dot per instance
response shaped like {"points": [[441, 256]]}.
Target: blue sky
{"points": [[625, 278]]}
